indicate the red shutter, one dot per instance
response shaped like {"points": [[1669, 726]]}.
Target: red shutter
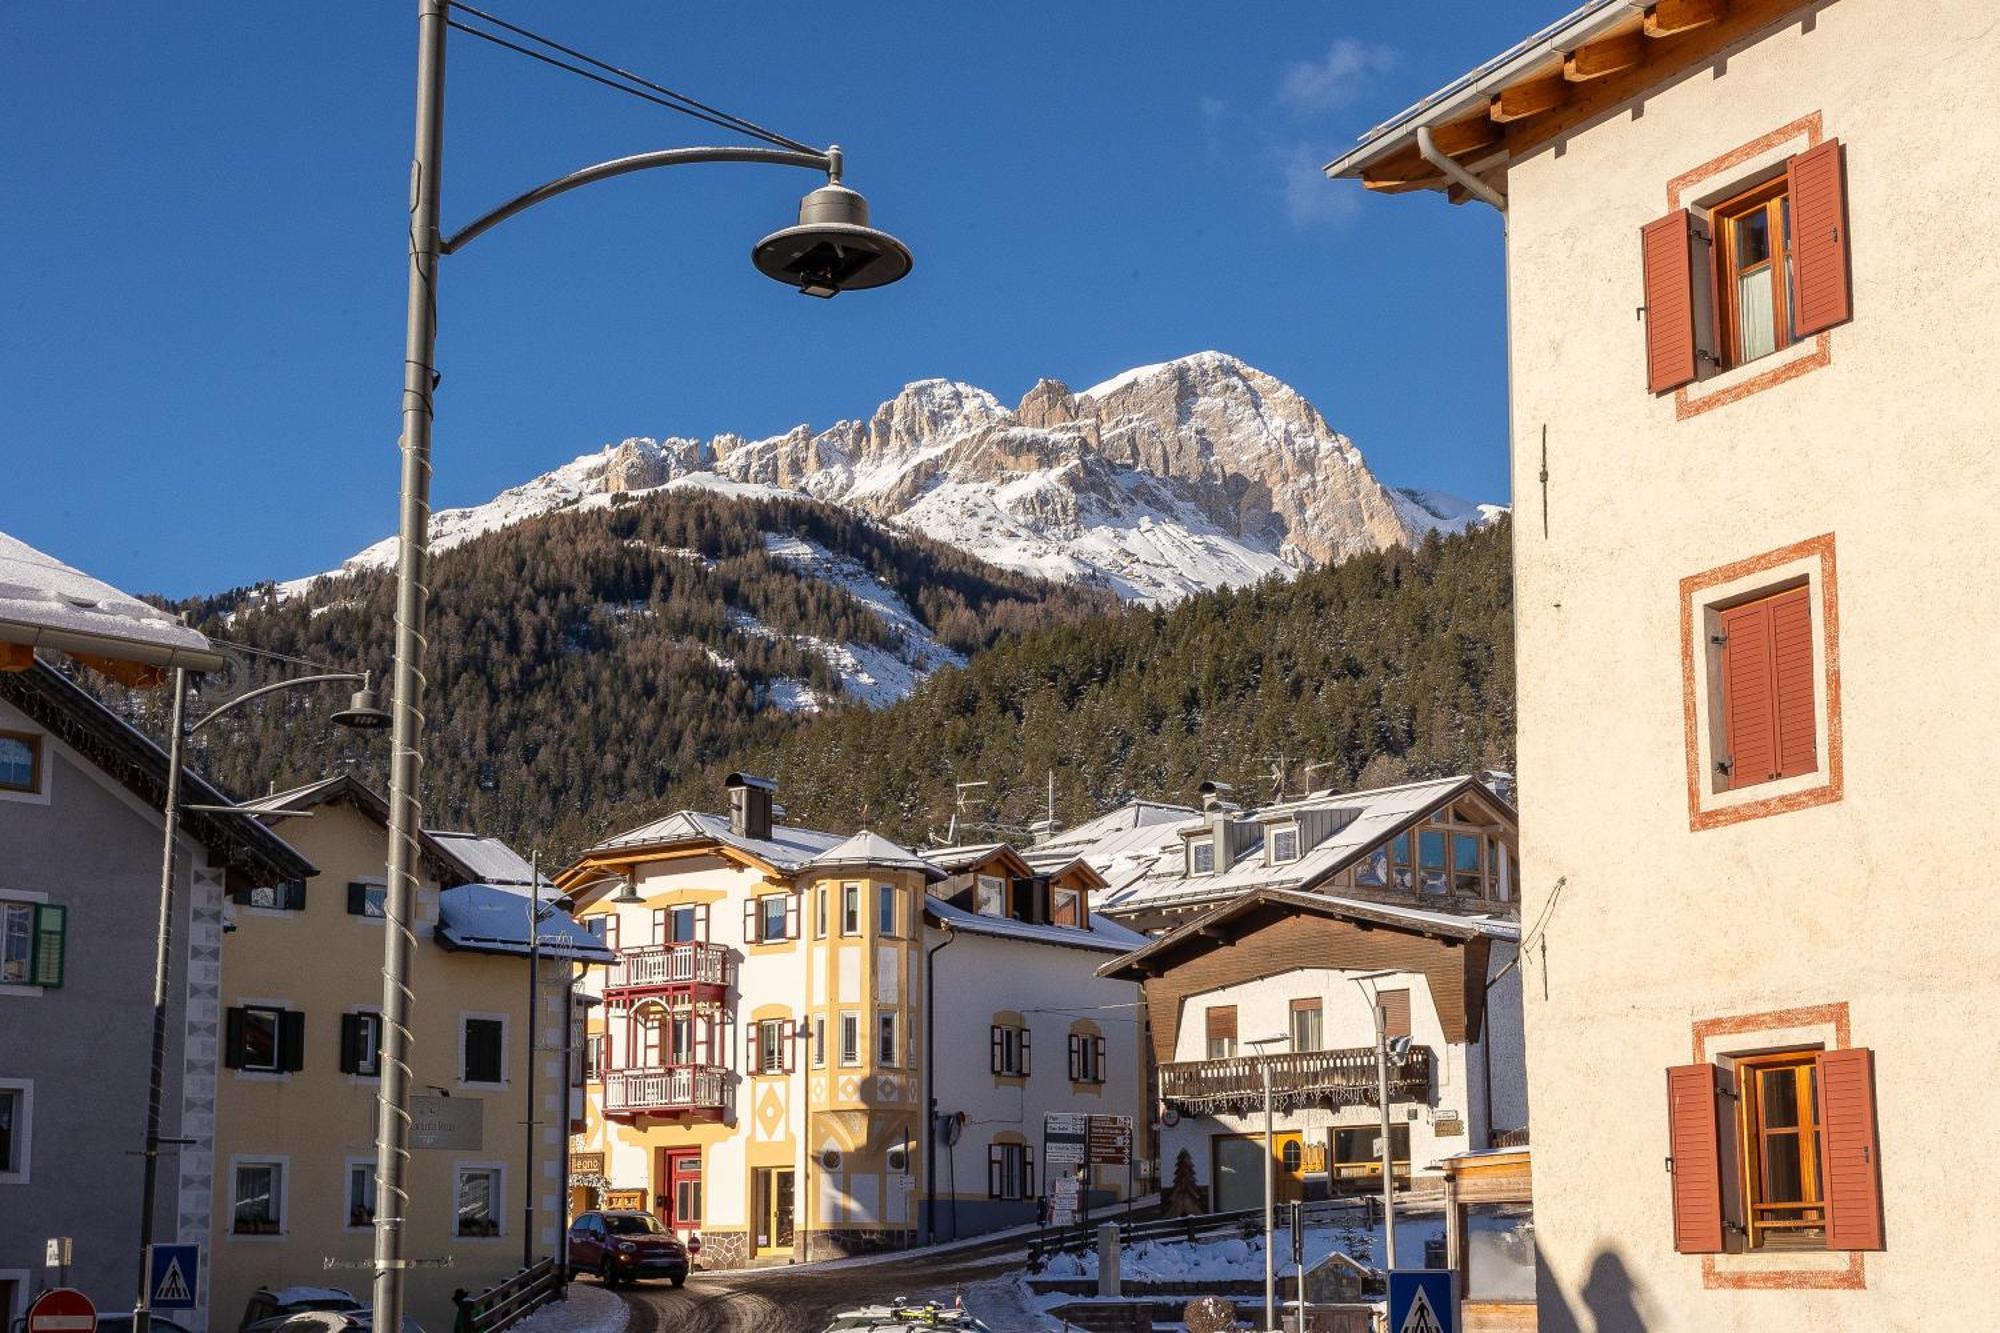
{"points": [[1748, 724], [750, 921], [751, 1063], [1669, 279], [1849, 1151], [701, 922], [1818, 189], [1792, 650], [1697, 1158]]}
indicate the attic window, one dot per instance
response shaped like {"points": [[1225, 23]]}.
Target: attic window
{"points": [[1283, 844], [1201, 856], [990, 896]]}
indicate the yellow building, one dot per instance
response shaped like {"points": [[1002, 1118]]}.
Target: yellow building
{"points": [[295, 1192]]}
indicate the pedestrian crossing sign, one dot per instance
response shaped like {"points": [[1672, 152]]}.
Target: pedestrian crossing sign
{"points": [[1423, 1300], [173, 1272]]}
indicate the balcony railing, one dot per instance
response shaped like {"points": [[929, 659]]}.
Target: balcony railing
{"points": [[1301, 1078], [672, 964], [666, 1090]]}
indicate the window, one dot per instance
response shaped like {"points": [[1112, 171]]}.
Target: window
{"points": [[680, 925], [767, 919], [20, 761], [1401, 875], [850, 1039], [885, 909], [1292, 1155], [483, 1051], [1769, 715], [989, 896], [365, 899], [258, 1199], [1752, 234], [819, 913], [1066, 907], [1221, 1031], [361, 1044], [1010, 1171], [289, 896], [1395, 1006], [264, 1039], [819, 1042], [17, 1098], [32, 943], [1284, 844], [648, 1033], [1372, 870], [478, 1201], [1467, 855], [770, 1046], [1781, 1167], [1201, 856], [1308, 1031], [1086, 1057], [887, 1048], [360, 1194], [593, 1056], [1357, 1152], [1011, 1049], [1431, 859], [850, 909], [610, 933]]}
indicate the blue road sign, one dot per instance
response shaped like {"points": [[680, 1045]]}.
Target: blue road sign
{"points": [[1423, 1300], [173, 1271]]}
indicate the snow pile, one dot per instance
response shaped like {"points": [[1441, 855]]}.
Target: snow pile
{"points": [[589, 1309]]}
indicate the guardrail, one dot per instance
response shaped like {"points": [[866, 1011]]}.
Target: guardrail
{"points": [[670, 1088], [502, 1306], [1365, 1211]]}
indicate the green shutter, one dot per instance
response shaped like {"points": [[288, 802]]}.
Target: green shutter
{"points": [[51, 928]]}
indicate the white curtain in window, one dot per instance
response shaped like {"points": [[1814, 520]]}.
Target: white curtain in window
{"points": [[1755, 320]]}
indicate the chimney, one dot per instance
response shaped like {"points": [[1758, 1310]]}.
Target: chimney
{"points": [[750, 805], [1215, 795]]}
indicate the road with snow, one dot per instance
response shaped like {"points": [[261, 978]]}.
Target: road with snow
{"points": [[804, 1300]]}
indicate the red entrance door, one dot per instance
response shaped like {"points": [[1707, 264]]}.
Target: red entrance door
{"points": [[680, 1178]]}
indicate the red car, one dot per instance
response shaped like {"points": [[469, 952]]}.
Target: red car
{"points": [[624, 1247]]}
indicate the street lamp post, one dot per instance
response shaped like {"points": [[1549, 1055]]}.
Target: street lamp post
{"points": [[362, 714], [1386, 1147], [538, 912], [832, 249], [1270, 1187]]}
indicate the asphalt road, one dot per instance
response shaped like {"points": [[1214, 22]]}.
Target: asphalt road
{"points": [[798, 1300]]}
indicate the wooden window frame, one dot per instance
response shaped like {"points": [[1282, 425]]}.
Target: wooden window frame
{"points": [[37, 762], [1317, 1008], [465, 1022], [1010, 1049], [850, 909], [1772, 198], [1205, 843], [1753, 1136], [1010, 1171], [1271, 837], [984, 884], [278, 1209], [887, 910], [1210, 1016]]}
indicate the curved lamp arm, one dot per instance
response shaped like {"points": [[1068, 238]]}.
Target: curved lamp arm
{"points": [[273, 689], [828, 161]]}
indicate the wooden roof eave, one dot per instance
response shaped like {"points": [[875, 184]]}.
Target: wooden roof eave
{"points": [[595, 864]]}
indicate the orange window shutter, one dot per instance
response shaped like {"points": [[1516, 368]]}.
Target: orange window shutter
{"points": [[1849, 1150], [1818, 189], [1696, 1161], [1749, 725], [1792, 676], [1669, 282]]}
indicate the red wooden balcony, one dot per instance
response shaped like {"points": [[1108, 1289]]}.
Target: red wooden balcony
{"points": [[1300, 1078], [667, 968], [690, 1092]]}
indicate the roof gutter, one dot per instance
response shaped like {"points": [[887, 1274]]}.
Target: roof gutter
{"points": [[113, 646], [1457, 174]]}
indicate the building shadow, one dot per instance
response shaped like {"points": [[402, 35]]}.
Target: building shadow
{"points": [[1610, 1301]]}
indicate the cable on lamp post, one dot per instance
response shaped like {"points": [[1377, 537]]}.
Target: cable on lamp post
{"points": [[832, 248], [361, 714]]}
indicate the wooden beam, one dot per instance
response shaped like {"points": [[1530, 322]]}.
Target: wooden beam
{"points": [[1612, 55], [1668, 17], [1528, 99], [1400, 184], [1464, 136]]}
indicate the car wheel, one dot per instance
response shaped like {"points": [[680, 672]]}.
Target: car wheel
{"points": [[679, 1279], [607, 1274], [570, 1274]]}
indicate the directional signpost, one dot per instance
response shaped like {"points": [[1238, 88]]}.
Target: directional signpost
{"points": [[62, 1310], [1423, 1300], [172, 1272]]}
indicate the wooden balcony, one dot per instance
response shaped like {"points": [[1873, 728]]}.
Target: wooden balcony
{"points": [[693, 1092], [1302, 1078], [664, 967]]}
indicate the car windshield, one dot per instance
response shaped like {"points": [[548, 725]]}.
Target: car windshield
{"points": [[632, 1224]]}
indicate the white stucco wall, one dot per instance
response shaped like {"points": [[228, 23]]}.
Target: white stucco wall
{"points": [[1870, 902]]}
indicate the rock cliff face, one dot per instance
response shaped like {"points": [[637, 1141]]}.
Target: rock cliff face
{"points": [[1165, 480]]}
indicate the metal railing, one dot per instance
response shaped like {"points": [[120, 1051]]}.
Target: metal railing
{"points": [[501, 1306], [1300, 1078], [671, 1088], [670, 964]]}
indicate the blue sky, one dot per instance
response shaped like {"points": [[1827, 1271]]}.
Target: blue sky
{"points": [[201, 255]]}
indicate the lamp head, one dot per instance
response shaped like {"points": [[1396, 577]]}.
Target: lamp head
{"points": [[833, 249], [628, 894], [363, 712]]}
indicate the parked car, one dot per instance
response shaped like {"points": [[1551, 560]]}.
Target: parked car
{"points": [[270, 1307], [902, 1317], [625, 1246]]}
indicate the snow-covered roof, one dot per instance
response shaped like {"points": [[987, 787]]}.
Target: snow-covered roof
{"points": [[787, 848], [45, 603], [490, 860], [1120, 845], [874, 852], [1104, 934], [455, 857], [1370, 817], [959, 857], [491, 918]]}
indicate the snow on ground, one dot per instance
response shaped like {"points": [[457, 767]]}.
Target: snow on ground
{"points": [[589, 1309], [1236, 1259]]}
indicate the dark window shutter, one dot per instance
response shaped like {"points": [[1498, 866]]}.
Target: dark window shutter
{"points": [[357, 899], [1849, 1150], [792, 916], [1097, 1060], [351, 1038], [291, 1040], [1818, 188], [1748, 725], [1696, 1160], [1792, 651], [51, 939], [294, 896], [750, 921], [999, 1039], [1665, 248], [1027, 1173], [993, 1164], [1027, 1039], [788, 1034], [232, 1039], [1075, 1057]]}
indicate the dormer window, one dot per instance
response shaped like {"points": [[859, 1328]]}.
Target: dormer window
{"points": [[1282, 844], [989, 896], [1201, 856]]}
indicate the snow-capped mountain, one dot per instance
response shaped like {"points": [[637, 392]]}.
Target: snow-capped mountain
{"points": [[1168, 479]]}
